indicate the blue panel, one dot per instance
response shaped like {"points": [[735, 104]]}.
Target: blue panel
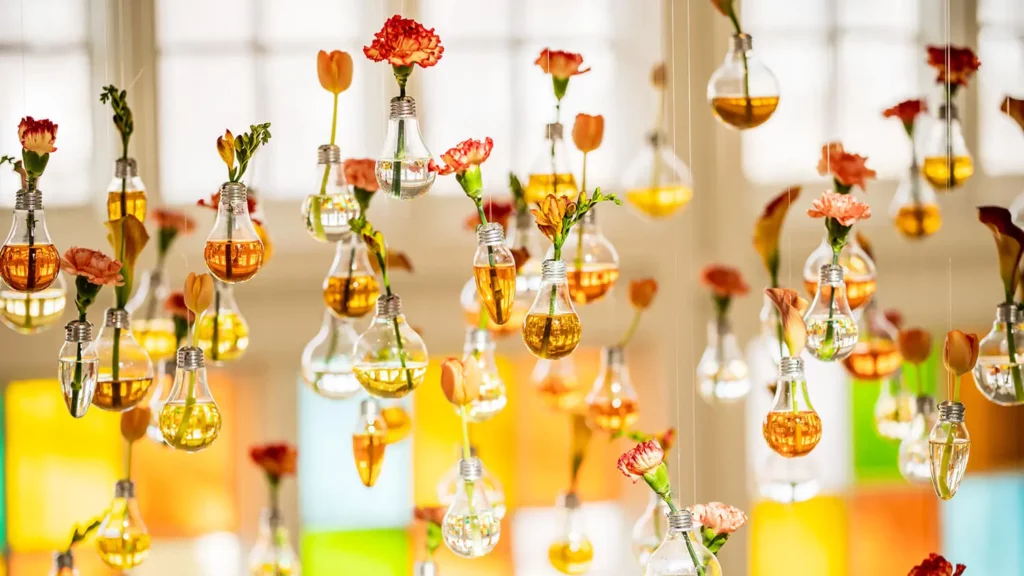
{"points": [[983, 527]]}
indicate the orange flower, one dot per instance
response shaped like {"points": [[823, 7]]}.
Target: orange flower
{"points": [[175, 304], [936, 565], [550, 213], [791, 308], [1009, 243], [404, 42], [560, 64], [659, 76], [848, 169], [1014, 109], [642, 292], [198, 292], [37, 136], [960, 352], [587, 132], [226, 148], [214, 201], [962, 64], [498, 211], [768, 227], [520, 255], [907, 111], [724, 281], [92, 265], [667, 439], [915, 345], [277, 460], [359, 172], [645, 458], [895, 317], [719, 518], [460, 381], [431, 514], [724, 6], [334, 71], [843, 208], [175, 220], [135, 422], [467, 154]]}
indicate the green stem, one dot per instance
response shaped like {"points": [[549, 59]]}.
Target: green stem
{"points": [[1018, 382], [348, 279], [827, 346], [394, 321], [190, 402], [215, 331], [128, 462], [115, 369], [631, 330]]}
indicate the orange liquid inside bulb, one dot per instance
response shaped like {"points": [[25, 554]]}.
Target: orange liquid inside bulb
{"points": [[744, 113], [134, 204], [29, 268], [918, 221], [496, 288], [792, 434], [540, 185], [233, 261], [592, 282], [873, 359], [368, 450], [661, 201], [561, 393], [122, 394], [612, 415], [552, 337], [351, 297], [944, 173], [858, 291]]}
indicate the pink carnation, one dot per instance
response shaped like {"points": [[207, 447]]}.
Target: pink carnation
{"points": [[719, 518], [644, 458], [843, 208], [92, 265]]}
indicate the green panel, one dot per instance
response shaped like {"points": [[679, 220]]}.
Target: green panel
{"points": [[874, 458], [928, 375], [356, 553]]}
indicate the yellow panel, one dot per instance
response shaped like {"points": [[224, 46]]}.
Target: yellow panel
{"points": [[805, 539], [60, 470]]}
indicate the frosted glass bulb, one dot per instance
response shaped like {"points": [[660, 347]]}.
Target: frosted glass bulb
{"points": [[612, 404], [858, 271], [831, 329], [369, 442], [479, 348], [572, 552], [552, 329], [401, 167], [551, 172], [947, 161], [126, 194], [125, 377], [876, 354], [273, 554], [78, 367], [152, 323], [722, 373], [221, 331], [190, 419], [914, 449], [742, 92], [29, 262], [786, 480], [894, 409], [649, 529], [915, 209], [448, 485], [470, 528], [792, 428], [999, 374], [681, 552], [326, 212], [234, 252], [327, 359], [351, 288], [494, 273], [121, 538], [592, 270], [34, 312], [949, 447], [390, 358], [657, 183]]}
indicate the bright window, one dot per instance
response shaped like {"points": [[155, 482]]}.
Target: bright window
{"points": [[1001, 50]]}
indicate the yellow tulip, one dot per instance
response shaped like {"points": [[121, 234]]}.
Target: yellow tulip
{"points": [[198, 292]]}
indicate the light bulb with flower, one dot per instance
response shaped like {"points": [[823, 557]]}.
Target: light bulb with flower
{"points": [[916, 347], [950, 442], [650, 527], [743, 93], [273, 554], [572, 551], [936, 565], [64, 560], [947, 161], [722, 373], [717, 522], [122, 538], [433, 518], [914, 209], [767, 230]]}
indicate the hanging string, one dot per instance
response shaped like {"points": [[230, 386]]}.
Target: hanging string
{"points": [[675, 251], [689, 151]]}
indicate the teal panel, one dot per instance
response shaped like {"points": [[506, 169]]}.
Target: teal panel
{"points": [[874, 457], [983, 527], [356, 553]]}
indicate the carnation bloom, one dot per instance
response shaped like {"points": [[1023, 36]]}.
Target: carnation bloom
{"points": [[848, 169], [498, 211], [461, 158], [907, 111], [277, 460], [724, 281], [953, 64], [915, 345], [718, 517], [936, 565], [643, 459], [175, 220], [843, 208], [404, 42], [37, 136], [92, 265], [359, 172], [560, 64], [175, 304]]}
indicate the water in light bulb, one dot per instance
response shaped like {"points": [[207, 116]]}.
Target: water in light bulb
{"points": [[368, 450], [936, 170], [200, 429], [351, 297], [157, 336], [552, 337], [471, 535], [744, 112], [233, 261], [134, 204], [123, 551], [31, 312], [492, 398], [946, 482], [390, 379], [994, 377], [121, 394], [859, 289], [591, 282], [893, 414], [660, 201], [918, 221], [334, 212], [88, 372], [562, 393], [792, 434], [415, 178], [843, 336], [873, 359], [539, 186], [29, 268], [571, 555], [223, 340], [612, 415], [496, 287]]}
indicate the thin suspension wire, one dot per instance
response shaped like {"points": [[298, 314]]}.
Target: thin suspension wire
{"points": [[689, 153], [24, 68], [675, 251]]}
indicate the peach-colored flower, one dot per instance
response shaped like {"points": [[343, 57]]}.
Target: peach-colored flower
{"points": [[907, 111], [550, 213], [643, 459], [277, 460], [37, 135], [135, 422], [954, 64], [791, 309], [334, 70], [359, 172], [92, 265], [1009, 243], [659, 76], [175, 304], [176, 220], [915, 345], [769, 227], [460, 381], [226, 148], [724, 281], [587, 132], [560, 64], [936, 565], [843, 208], [497, 211], [467, 154], [405, 42], [960, 353], [198, 292], [432, 514], [718, 517], [1013, 108], [848, 169], [642, 292]]}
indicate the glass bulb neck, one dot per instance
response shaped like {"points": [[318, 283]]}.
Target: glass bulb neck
{"points": [[718, 327], [190, 358], [680, 521], [740, 43], [1007, 314], [124, 489], [524, 223], [571, 501], [471, 470], [328, 154], [426, 568], [389, 307], [233, 194], [117, 318], [553, 131], [479, 340], [951, 412], [125, 168], [490, 234], [832, 275], [613, 356], [63, 560], [78, 331], [402, 107], [949, 111], [924, 404], [28, 200], [791, 368], [590, 219], [553, 271]]}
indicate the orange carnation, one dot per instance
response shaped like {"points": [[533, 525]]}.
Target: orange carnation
{"points": [[404, 42], [848, 169], [842, 208], [724, 281], [561, 64], [277, 460], [92, 265], [467, 154], [953, 64], [498, 211], [907, 111], [359, 172]]}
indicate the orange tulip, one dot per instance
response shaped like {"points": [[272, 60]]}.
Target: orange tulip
{"points": [[960, 353], [915, 345], [587, 132], [198, 292], [334, 71], [659, 76], [135, 422], [432, 514], [460, 381], [226, 148], [1009, 242], [791, 308], [1014, 108], [642, 292], [769, 227]]}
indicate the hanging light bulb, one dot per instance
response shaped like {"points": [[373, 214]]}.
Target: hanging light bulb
{"points": [[120, 387], [448, 486], [327, 359], [947, 162], [722, 373], [551, 172], [159, 393], [526, 284], [657, 183], [63, 564], [273, 554], [612, 405], [551, 329], [650, 529], [351, 288], [915, 208], [743, 92], [894, 409], [998, 378], [33, 312], [858, 271], [401, 168], [390, 358], [79, 366], [126, 194], [190, 419], [594, 270], [29, 262], [676, 553], [122, 538], [557, 384], [470, 529], [831, 329], [792, 428], [221, 332], [326, 215], [369, 441], [494, 271], [786, 480], [479, 348], [234, 252], [151, 322], [914, 448], [949, 448], [876, 355], [573, 552]]}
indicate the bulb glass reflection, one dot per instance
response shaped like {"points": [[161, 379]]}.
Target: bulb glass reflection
{"points": [[351, 288], [326, 212], [742, 92], [831, 329], [558, 385], [594, 268], [327, 359], [876, 355], [190, 419], [947, 161], [221, 331], [122, 539], [479, 348], [470, 528], [369, 440], [78, 367], [551, 174], [682, 552], [494, 273], [722, 372], [949, 447], [33, 312], [151, 322], [572, 552], [234, 252], [612, 405], [792, 428], [390, 358], [448, 486], [915, 209], [126, 194], [401, 166], [273, 554], [121, 385], [29, 262], [998, 375]]}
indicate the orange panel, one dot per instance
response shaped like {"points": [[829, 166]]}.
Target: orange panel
{"points": [[38, 563], [996, 432], [879, 517]]}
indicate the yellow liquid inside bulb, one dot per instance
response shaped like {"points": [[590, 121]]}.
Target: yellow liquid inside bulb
{"points": [[351, 297], [28, 313], [157, 337], [792, 434], [744, 113], [125, 552], [592, 282], [936, 170], [391, 380], [539, 186], [231, 338], [918, 221], [135, 204], [368, 450], [120, 395], [659, 202], [29, 268], [268, 569], [873, 359], [560, 393], [552, 337], [201, 427], [612, 415], [858, 291], [496, 288], [399, 424], [233, 261], [571, 556]]}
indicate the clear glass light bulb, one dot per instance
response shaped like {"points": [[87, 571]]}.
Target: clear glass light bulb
{"points": [[122, 539], [78, 367], [876, 354], [858, 271], [915, 208], [479, 348], [682, 552], [786, 480], [327, 359], [221, 331], [151, 321], [448, 485], [742, 92], [722, 373], [831, 329], [190, 419], [914, 449], [369, 440], [792, 428], [126, 194], [551, 174], [123, 384], [63, 564], [894, 409], [947, 161], [572, 552], [657, 183], [273, 554], [33, 312], [470, 528], [159, 392], [494, 272], [234, 252], [390, 358], [594, 269], [351, 288], [949, 447], [29, 262], [558, 385], [326, 212], [650, 529], [999, 377], [552, 329], [612, 404], [401, 167]]}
